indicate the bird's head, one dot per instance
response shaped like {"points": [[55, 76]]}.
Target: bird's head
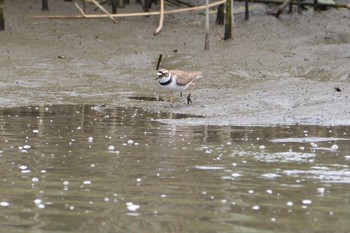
{"points": [[162, 73]]}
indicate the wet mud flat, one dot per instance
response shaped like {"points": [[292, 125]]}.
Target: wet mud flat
{"points": [[78, 168], [291, 70]]}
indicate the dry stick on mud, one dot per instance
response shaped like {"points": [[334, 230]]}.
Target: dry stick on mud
{"points": [[84, 5], [104, 11], [91, 16], [2, 19], [229, 20], [246, 14], [206, 40], [281, 8], [45, 5], [159, 60], [191, 9], [161, 19], [335, 5], [220, 15]]}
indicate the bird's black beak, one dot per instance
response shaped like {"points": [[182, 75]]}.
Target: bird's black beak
{"points": [[159, 75]]}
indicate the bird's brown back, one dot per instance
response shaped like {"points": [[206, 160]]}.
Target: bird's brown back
{"points": [[183, 77]]}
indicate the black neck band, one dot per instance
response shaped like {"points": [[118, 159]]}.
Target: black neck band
{"points": [[167, 82]]}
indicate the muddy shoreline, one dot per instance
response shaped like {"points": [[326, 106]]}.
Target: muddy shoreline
{"points": [[291, 70]]}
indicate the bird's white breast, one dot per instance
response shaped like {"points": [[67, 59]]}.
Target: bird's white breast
{"points": [[173, 85]]}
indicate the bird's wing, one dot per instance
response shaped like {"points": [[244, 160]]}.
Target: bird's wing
{"points": [[183, 78]]}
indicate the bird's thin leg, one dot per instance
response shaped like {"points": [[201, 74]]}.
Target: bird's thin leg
{"points": [[189, 99], [189, 95]]}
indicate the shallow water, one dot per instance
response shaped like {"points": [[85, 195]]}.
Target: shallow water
{"points": [[81, 168]]}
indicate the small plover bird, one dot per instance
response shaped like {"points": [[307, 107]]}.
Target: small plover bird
{"points": [[177, 81]]}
